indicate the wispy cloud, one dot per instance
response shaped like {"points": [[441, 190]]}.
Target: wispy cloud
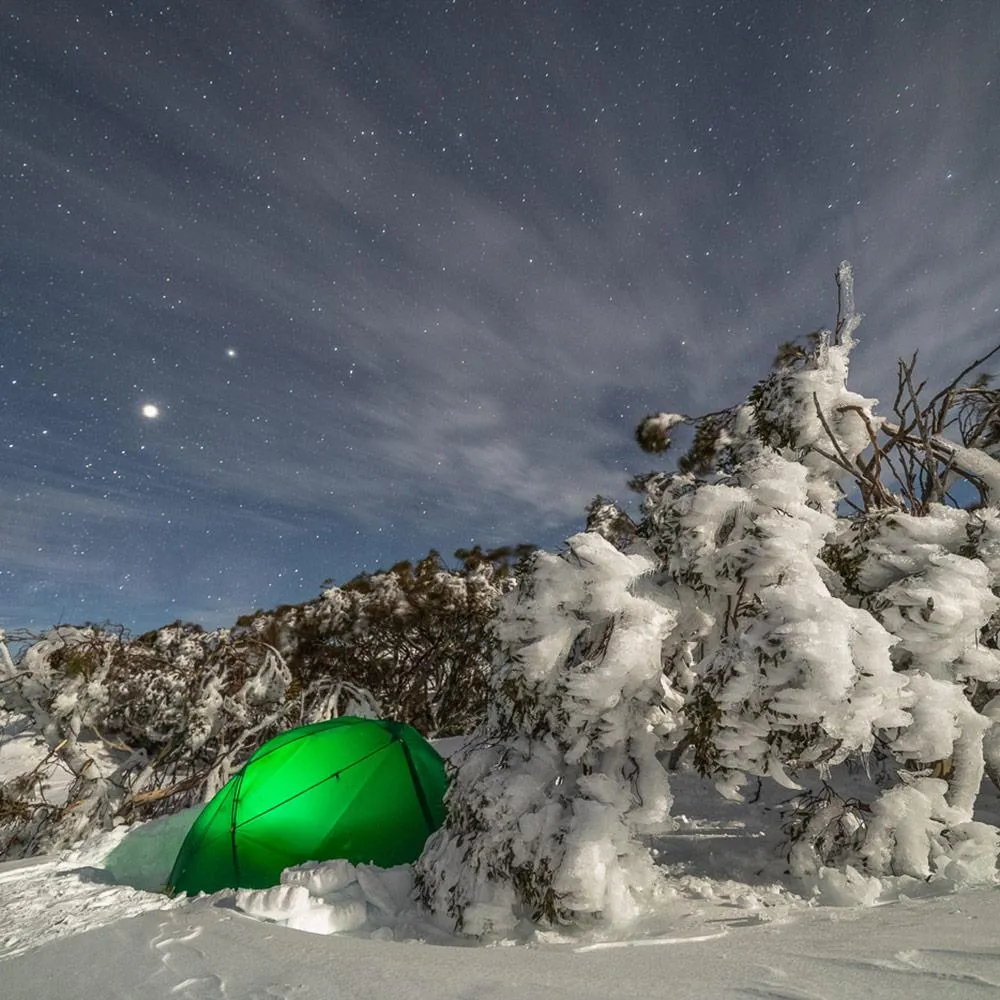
{"points": [[453, 285]]}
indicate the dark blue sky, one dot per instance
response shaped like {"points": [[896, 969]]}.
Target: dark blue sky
{"points": [[401, 275]]}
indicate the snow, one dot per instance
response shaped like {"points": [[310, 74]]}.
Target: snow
{"points": [[205, 951], [89, 924]]}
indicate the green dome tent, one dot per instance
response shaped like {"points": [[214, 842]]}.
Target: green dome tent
{"points": [[366, 790]]}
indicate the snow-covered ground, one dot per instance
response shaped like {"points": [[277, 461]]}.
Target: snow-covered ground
{"points": [[90, 924]]}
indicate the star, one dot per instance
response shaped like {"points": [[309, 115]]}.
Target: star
{"points": [[150, 411]]}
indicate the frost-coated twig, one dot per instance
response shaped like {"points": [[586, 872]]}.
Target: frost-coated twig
{"points": [[848, 318], [845, 462], [972, 464], [873, 467], [873, 486]]}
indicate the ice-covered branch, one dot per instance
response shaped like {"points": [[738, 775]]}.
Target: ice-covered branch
{"points": [[848, 318], [972, 463]]}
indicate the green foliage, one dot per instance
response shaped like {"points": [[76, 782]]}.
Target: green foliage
{"points": [[702, 457], [793, 353], [652, 436]]}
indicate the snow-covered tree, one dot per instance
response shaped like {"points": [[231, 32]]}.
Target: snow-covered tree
{"points": [[817, 596], [562, 778], [844, 602]]}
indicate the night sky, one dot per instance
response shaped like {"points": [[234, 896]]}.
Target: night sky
{"points": [[294, 289]]}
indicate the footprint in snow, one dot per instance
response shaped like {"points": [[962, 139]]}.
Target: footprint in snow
{"points": [[186, 963]]}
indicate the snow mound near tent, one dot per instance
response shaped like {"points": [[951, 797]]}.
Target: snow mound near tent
{"points": [[332, 897]]}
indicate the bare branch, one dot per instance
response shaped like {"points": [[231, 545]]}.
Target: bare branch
{"points": [[845, 462], [934, 491], [869, 486], [954, 383]]}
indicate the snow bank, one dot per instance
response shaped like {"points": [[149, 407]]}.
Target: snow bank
{"points": [[333, 897]]}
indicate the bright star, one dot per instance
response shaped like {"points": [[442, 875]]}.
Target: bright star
{"points": [[150, 411]]}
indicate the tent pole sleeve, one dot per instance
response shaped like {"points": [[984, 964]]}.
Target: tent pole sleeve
{"points": [[418, 788], [232, 825]]}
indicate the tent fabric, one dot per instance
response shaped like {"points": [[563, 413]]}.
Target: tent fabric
{"points": [[367, 790]]}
